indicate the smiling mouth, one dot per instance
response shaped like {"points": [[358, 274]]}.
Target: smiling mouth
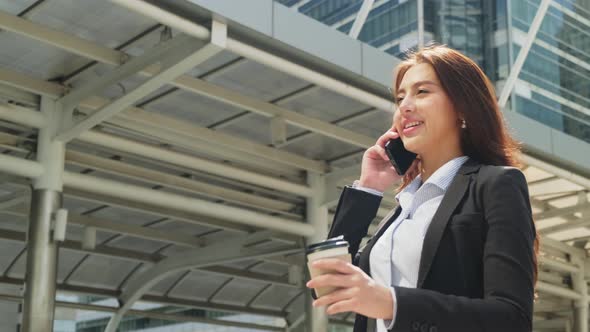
{"points": [[413, 124]]}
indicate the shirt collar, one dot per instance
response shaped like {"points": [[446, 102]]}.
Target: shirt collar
{"points": [[441, 178]]}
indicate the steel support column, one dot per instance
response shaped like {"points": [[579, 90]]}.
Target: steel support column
{"points": [[317, 216], [42, 250], [580, 306]]}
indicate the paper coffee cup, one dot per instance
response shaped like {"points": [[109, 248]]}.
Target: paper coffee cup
{"points": [[331, 248]]}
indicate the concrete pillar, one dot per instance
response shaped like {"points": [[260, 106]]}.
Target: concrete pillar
{"points": [[317, 216]]}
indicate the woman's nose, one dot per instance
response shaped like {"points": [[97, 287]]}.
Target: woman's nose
{"points": [[406, 105]]}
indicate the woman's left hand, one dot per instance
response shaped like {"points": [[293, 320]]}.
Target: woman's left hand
{"points": [[357, 291]]}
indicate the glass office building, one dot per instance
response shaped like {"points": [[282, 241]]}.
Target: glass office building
{"points": [[554, 84]]}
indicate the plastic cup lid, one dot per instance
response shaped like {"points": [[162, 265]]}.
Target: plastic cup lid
{"points": [[335, 242]]}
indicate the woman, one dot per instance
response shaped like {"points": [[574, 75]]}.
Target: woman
{"points": [[459, 252]]}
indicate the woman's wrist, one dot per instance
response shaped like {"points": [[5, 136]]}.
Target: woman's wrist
{"points": [[357, 186], [371, 184], [387, 304]]}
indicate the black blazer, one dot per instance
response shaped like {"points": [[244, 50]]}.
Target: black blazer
{"points": [[476, 269]]}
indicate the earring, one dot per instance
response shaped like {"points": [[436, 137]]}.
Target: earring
{"points": [[463, 124]]}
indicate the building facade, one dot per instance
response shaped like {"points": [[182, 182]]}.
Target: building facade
{"points": [[554, 84]]}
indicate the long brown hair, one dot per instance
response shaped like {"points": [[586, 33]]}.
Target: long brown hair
{"points": [[486, 138]]}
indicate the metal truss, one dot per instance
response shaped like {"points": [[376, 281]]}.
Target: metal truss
{"points": [[230, 250]]}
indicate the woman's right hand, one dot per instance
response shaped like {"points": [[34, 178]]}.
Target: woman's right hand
{"points": [[376, 170]]}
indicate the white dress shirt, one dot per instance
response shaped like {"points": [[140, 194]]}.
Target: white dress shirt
{"points": [[395, 257]]}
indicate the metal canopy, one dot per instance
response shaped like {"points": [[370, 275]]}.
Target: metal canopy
{"points": [[169, 154]]}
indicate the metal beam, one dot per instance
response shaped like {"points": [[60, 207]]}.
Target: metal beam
{"points": [[18, 96], [524, 51], [135, 231], [342, 121], [15, 200], [570, 224], [267, 109], [202, 87], [555, 324], [223, 252], [560, 266], [557, 212], [20, 167], [213, 91], [181, 216], [194, 163], [553, 169], [175, 181], [277, 101], [562, 247], [164, 300], [141, 257], [183, 203], [22, 115], [172, 237], [208, 75], [168, 128], [173, 317], [31, 84], [59, 39], [72, 74], [33, 118], [558, 291], [127, 69], [259, 55], [150, 259], [174, 65], [189, 136], [360, 19], [106, 187], [248, 275]]}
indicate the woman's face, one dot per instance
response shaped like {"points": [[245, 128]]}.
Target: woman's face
{"points": [[425, 117]]}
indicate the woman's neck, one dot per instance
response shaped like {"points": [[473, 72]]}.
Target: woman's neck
{"points": [[434, 161]]}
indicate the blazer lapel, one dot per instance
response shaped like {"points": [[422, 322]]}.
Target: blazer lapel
{"points": [[383, 224], [441, 218], [385, 221]]}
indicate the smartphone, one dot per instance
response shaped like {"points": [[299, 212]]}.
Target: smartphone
{"points": [[400, 158]]}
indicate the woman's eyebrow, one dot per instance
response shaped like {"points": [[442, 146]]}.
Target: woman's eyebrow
{"points": [[418, 83]]}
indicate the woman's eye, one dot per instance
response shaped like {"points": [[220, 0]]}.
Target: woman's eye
{"points": [[399, 99], [422, 91]]}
